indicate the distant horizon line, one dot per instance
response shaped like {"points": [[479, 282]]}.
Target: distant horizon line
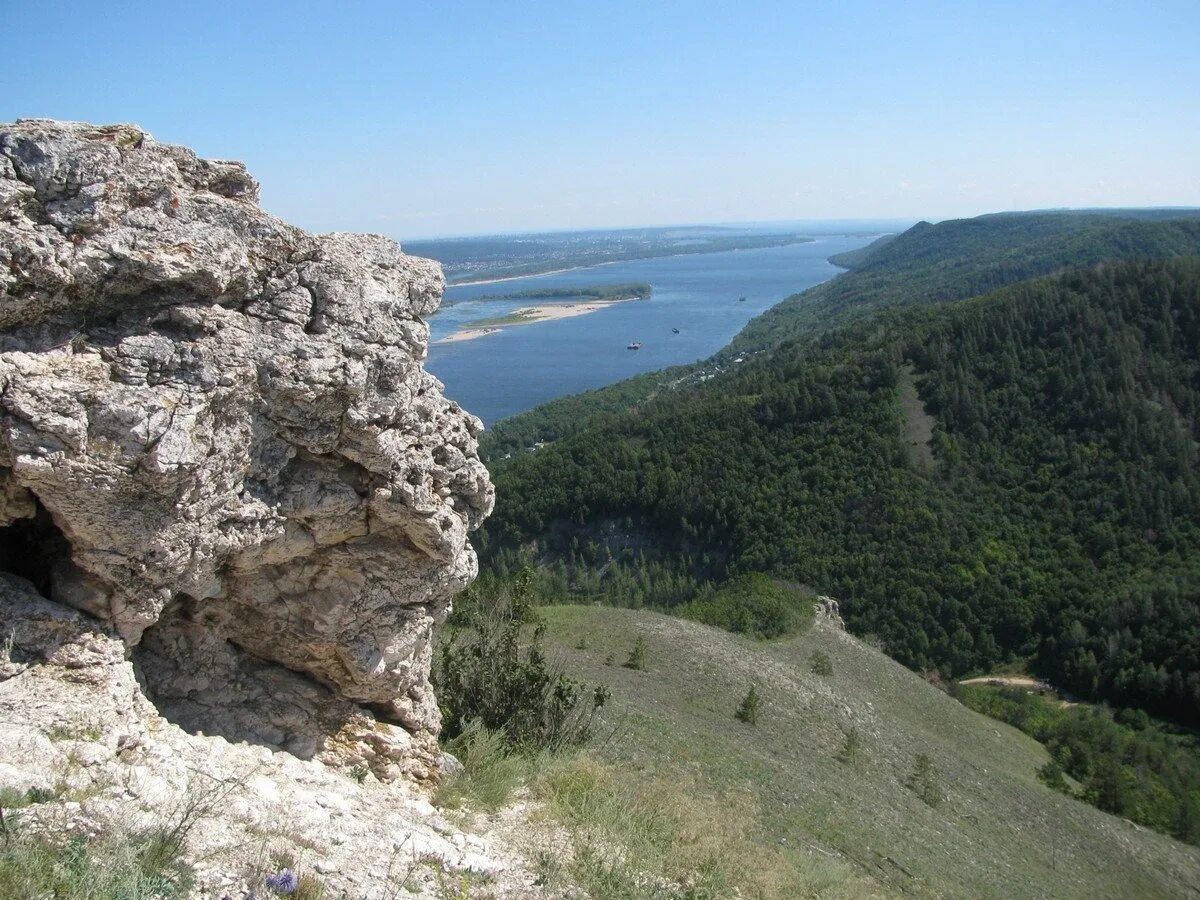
{"points": [[752, 223]]}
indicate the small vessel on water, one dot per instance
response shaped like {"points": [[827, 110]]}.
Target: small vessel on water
{"points": [[674, 331], [634, 345], [741, 299]]}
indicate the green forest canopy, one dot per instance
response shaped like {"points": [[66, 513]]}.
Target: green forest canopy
{"points": [[1057, 521]]}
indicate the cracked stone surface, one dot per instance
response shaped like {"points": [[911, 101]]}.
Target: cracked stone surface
{"points": [[218, 440], [76, 726]]}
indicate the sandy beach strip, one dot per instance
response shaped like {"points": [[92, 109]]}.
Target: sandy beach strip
{"points": [[466, 334], [529, 315]]}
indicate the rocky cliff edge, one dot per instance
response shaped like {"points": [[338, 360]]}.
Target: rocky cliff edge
{"points": [[224, 472]]}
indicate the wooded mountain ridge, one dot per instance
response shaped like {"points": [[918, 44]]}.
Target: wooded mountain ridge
{"points": [[979, 479]]}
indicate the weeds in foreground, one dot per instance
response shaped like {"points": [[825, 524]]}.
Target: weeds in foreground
{"points": [[491, 771], [459, 885], [637, 835], [287, 883], [13, 799], [278, 873], [77, 731], [549, 868], [120, 866], [121, 863]]}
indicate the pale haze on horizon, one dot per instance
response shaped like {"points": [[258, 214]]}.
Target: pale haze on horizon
{"points": [[461, 118]]}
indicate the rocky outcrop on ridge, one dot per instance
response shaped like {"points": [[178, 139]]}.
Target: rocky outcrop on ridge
{"points": [[218, 443], [830, 609]]}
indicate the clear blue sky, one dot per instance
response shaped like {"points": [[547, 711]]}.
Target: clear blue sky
{"points": [[462, 117]]}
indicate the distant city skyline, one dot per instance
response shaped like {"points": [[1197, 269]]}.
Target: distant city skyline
{"points": [[477, 118]]}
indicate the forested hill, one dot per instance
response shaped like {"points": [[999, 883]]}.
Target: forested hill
{"points": [[928, 264], [1011, 475], [965, 258]]}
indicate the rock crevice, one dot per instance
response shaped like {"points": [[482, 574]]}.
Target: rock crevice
{"points": [[224, 423]]}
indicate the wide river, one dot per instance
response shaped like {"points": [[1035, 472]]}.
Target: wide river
{"points": [[518, 368]]}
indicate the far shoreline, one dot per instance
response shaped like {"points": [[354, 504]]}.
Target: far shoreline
{"points": [[626, 259], [451, 284]]}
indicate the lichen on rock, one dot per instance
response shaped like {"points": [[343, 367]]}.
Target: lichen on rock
{"points": [[217, 438]]}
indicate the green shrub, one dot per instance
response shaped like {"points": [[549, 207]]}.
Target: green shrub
{"points": [[821, 664], [483, 673], [748, 711], [1051, 775], [850, 747], [924, 781], [310, 888], [637, 655], [754, 605]]}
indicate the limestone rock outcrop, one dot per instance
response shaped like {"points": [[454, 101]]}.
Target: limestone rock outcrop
{"points": [[217, 439], [78, 733], [830, 609]]}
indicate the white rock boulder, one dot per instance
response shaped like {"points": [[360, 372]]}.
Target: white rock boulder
{"points": [[217, 440]]}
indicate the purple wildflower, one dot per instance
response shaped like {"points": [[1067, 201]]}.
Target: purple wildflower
{"points": [[284, 882]]}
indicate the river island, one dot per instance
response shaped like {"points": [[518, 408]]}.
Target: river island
{"points": [[561, 303]]}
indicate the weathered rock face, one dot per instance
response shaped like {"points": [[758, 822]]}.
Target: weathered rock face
{"points": [[217, 438], [76, 727]]}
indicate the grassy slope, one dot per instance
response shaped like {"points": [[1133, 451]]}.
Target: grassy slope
{"points": [[999, 832]]}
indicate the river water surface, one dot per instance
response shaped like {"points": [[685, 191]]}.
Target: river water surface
{"points": [[518, 368]]}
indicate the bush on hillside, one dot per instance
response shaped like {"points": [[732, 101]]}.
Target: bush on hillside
{"points": [[485, 674], [637, 656], [748, 711], [1051, 775], [754, 605], [924, 781], [821, 663], [849, 752]]}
